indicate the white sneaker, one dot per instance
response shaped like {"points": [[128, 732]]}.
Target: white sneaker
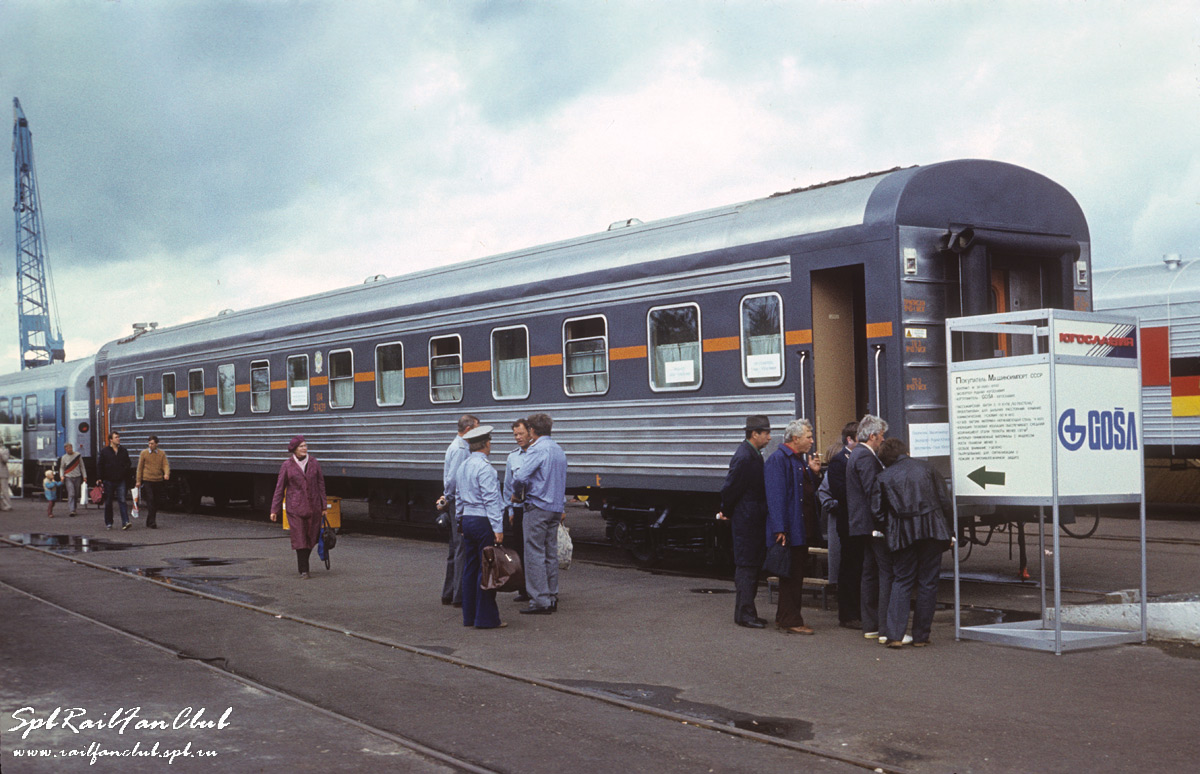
{"points": [[907, 639], [882, 640], [871, 635]]}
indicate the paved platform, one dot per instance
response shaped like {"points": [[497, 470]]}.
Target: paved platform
{"points": [[668, 640]]}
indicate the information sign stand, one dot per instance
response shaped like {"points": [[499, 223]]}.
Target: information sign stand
{"points": [[1054, 418]]}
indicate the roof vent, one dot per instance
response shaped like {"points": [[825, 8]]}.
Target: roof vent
{"points": [[374, 278], [624, 224], [1172, 261]]}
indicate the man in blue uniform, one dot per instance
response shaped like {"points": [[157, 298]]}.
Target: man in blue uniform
{"points": [[744, 503], [515, 501], [477, 498], [456, 453], [543, 479], [789, 479]]}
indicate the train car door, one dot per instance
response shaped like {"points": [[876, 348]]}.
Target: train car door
{"points": [[839, 346], [61, 417]]}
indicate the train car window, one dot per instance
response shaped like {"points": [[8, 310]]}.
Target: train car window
{"points": [[389, 374], [762, 340], [297, 382], [673, 333], [196, 392], [585, 356], [18, 411], [139, 397], [226, 389], [4, 417], [510, 363], [445, 369], [168, 395], [31, 412], [341, 378], [260, 386]]}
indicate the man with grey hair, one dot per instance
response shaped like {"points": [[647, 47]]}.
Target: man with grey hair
{"points": [[791, 487], [456, 453], [861, 470]]}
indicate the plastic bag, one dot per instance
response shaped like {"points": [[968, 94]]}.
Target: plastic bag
{"points": [[566, 549]]}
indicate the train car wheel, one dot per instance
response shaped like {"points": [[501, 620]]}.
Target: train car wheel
{"points": [[1087, 520], [644, 554]]}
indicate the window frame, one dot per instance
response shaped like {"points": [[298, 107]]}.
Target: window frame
{"points": [[492, 348], [4, 415], [258, 365], [191, 395], [139, 397], [307, 382], [165, 393], [699, 349], [378, 381], [31, 417], [607, 358], [329, 366], [18, 400], [742, 341], [462, 391], [233, 378]]}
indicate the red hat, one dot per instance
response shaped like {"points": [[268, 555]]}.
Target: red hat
{"points": [[295, 443]]}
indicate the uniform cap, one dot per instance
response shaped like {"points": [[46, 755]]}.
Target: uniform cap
{"points": [[478, 434]]}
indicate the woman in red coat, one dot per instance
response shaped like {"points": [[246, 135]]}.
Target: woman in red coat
{"points": [[300, 478]]}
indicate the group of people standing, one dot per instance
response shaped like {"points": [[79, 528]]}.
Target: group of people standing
{"points": [[524, 509], [890, 512]]}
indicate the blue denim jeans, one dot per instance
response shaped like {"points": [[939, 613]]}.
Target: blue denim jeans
{"points": [[115, 490]]}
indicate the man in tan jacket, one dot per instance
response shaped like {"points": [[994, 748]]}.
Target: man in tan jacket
{"points": [[153, 471]]}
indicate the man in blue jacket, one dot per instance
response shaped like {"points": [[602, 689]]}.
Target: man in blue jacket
{"points": [[744, 502], [791, 484], [543, 478]]}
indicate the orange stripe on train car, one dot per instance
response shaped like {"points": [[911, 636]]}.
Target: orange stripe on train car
{"points": [[319, 381], [365, 376], [154, 396], [626, 353], [793, 338], [241, 388], [120, 399], [477, 366], [722, 345], [210, 391], [279, 385], [879, 330], [537, 361], [416, 372]]}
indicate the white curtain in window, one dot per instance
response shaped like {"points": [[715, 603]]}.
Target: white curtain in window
{"points": [[665, 376], [391, 386], [512, 378]]}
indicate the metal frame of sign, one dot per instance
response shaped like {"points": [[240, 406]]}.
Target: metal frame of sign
{"points": [[1043, 326]]}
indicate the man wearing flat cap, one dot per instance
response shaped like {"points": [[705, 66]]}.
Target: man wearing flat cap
{"points": [[477, 499], [744, 503]]}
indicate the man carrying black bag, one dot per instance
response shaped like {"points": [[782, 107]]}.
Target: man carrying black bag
{"points": [[744, 503]]}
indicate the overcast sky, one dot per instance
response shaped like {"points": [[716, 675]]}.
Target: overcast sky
{"points": [[196, 155]]}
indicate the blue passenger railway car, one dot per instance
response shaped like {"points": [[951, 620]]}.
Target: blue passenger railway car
{"points": [[54, 405], [648, 344]]}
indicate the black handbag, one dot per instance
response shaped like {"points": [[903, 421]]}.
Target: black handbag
{"points": [[778, 561]]}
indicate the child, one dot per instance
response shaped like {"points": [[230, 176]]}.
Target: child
{"points": [[50, 488]]}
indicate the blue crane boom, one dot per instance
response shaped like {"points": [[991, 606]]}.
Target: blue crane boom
{"points": [[40, 337]]}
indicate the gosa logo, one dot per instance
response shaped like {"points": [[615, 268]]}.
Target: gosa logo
{"points": [[1114, 430]]}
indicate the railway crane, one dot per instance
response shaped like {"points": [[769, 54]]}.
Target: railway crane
{"points": [[41, 340]]}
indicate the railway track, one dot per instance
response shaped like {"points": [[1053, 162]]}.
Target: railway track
{"points": [[443, 756]]}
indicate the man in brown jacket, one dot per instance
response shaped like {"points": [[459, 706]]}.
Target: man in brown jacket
{"points": [[153, 471]]}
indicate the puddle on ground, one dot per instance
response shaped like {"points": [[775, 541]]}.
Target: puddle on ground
{"points": [[68, 543], [713, 591], [983, 616], [666, 698], [177, 574]]}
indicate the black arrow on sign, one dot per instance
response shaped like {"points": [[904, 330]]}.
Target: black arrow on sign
{"points": [[983, 478]]}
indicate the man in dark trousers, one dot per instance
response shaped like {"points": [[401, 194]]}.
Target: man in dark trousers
{"points": [[849, 576], [114, 467], [744, 503], [456, 453], [861, 470]]}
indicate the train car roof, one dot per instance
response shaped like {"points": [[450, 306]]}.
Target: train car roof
{"points": [[53, 375], [1146, 285], [943, 195]]}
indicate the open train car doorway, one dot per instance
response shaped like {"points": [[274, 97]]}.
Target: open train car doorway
{"points": [[839, 346]]}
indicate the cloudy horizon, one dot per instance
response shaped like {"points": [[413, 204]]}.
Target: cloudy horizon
{"points": [[202, 155]]}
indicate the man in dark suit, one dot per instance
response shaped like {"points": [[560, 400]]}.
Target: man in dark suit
{"points": [[849, 576], [861, 470], [744, 502]]}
